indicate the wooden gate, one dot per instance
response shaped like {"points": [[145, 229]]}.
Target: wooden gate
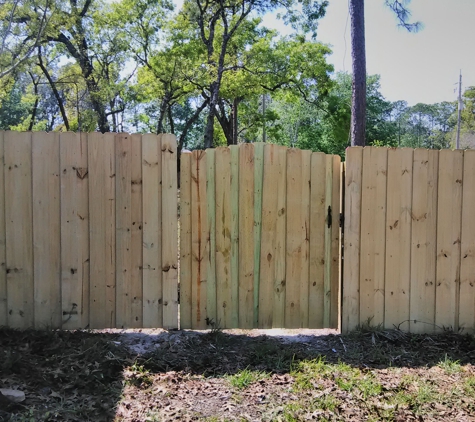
{"points": [[259, 238]]}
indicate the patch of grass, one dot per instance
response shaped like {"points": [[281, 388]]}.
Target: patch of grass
{"points": [[245, 378], [469, 386], [450, 366], [138, 376], [369, 386], [307, 372]]}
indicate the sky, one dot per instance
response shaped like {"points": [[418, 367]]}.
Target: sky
{"points": [[419, 68]]}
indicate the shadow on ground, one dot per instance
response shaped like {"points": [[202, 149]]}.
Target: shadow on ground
{"points": [[82, 375]]}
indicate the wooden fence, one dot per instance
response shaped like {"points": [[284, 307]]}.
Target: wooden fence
{"points": [[88, 230], [258, 247], [409, 239]]}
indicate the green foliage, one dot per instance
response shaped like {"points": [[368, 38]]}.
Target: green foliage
{"points": [[245, 378]]}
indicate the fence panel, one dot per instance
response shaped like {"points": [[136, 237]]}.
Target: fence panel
{"points": [[415, 273], [72, 230], [260, 251]]}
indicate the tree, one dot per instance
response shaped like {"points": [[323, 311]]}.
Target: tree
{"points": [[22, 25], [215, 24], [358, 54]]}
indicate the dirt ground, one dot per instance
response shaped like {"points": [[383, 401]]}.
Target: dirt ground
{"points": [[272, 375]]}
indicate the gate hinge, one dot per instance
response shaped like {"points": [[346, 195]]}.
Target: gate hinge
{"points": [[342, 219], [329, 217]]}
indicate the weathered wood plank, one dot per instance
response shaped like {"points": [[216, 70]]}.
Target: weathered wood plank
{"points": [[123, 219], [101, 157], [46, 230], [398, 238], [467, 268], [136, 288], [318, 215], [258, 181], [185, 241], [327, 281], [3, 274], [200, 244], [246, 239], [234, 149], [211, 311], [298, 223], [271, 310], [335, 278], [352, 239], [223, 237], [424, 240], [74, 230], [169, 231], [152, 230], [448, 238], [129, 231], [373, 228], [19, 230]]}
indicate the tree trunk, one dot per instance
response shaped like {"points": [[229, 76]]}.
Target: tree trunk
{"points": [[358, 54], [235, 120], [52, 84], [213, 102], [35, 106]]}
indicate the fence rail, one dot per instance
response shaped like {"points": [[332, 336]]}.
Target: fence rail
{"points": [[409, 239], [88, 229]]}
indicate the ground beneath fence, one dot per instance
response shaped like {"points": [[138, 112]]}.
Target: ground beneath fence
{"points": [[261, 375]]}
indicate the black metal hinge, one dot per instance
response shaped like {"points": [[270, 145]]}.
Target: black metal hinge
{"points": [[342, 219]]}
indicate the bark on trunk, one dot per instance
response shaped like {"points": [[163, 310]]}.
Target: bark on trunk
{"points": [[358, 54], [35, 106], [52, 84]]}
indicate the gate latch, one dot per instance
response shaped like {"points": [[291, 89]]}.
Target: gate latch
{"points": [[329, 216]]}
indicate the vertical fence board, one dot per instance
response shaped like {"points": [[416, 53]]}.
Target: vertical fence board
{"points": [[185, 241], [258, 181], [169, 231], [234, 235], [398, 238], [46, 230], [3, 278], [467, 269], [136, 289], [327, 256], [373, 225], [246, 239], [352, 239], [19, 230], [298, 223], [278, 319], [448, 237], [335, 292], [424, 240], [101, 154], [318, 215], [271, 288], [152, 231], [200, 245], [74, 230], [211, 311], [129, 231], [223, 237], [123, 219]]}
